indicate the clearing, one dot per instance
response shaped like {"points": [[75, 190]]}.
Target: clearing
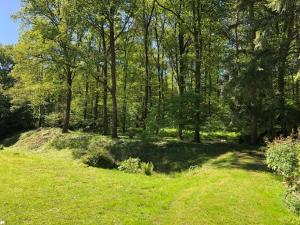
{"points": [[228, 184]]}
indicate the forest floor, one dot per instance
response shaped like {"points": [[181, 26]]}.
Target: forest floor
{"points": [[205, 184]]}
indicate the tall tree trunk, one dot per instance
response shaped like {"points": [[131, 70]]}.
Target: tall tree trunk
{"points": [[297, 94], [85, 110], [181, 78], [254, 131], [160, 80], [147, 77], [124, 106], [254, 139], [68, 101], [237, 43], [105, 87], [96, 103], [114, 133], [41, 115], [197, 45], [209, 93]]}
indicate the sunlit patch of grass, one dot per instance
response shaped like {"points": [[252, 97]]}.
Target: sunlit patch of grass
{"points": [[205, 135], [49, 187]]}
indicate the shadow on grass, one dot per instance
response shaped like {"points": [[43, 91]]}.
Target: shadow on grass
{"points": [[173, 156], [10, 141], [246, 159]]}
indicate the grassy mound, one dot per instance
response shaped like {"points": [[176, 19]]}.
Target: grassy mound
{"points": [[32, 140], [167, 155]]}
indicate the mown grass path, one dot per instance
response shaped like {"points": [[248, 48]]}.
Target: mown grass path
{"points": [[52, 188]]}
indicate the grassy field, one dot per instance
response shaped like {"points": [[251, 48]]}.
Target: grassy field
{"points": [[229, 186]]}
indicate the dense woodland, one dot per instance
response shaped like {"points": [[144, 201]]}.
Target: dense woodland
{"points": [[114, 67]]}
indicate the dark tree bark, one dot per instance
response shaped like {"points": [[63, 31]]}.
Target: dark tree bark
{"points": [[96, 103], [282, 65], [254, 134], [197, 45], [253, 110], [124, 106], [105, 124], [181, 78], [68, 101], [147, 19], [85, 110], [114, 133]]}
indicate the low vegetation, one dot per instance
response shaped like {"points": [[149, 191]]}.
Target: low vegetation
{"points": [[283, 157], [208, 183]]}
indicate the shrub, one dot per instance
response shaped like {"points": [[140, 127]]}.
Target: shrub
{"points": [[283, 158], [292, 199], [131, 132], [1, 147], [147, 168], [134, 165], [79, 152], [131, 165], [99, 158]]}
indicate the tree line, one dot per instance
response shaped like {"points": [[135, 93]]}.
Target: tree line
{"points": [[108, 66]]}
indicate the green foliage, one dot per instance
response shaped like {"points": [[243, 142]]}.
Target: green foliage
{"points": [[147, 168], [99, 158], [135, 165], [292, 200], [131, 165], [132, 132], [13, 116], [283, 158], [53, 120]]}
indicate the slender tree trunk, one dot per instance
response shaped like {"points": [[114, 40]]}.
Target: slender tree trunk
{"points": [[197, 46], [181, 79], [85, 111], [147, 77], [237, 43], [209, 93], [40, 115], [254, 134], [113, 72], [105, 87], [283, 55], [96, 103], [160, 80], [254, 131], [297, 94], [124, 107], [281, 89], [68, 102]]}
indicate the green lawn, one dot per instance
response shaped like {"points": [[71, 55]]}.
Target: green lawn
{"points": [[49, 187]]}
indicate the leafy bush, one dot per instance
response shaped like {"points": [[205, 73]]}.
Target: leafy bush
{"points": [[99, 158], [1, 147], [283, 158], [131, 165], [79, 152], [134, 165], [147, 168], [292, 199]]}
